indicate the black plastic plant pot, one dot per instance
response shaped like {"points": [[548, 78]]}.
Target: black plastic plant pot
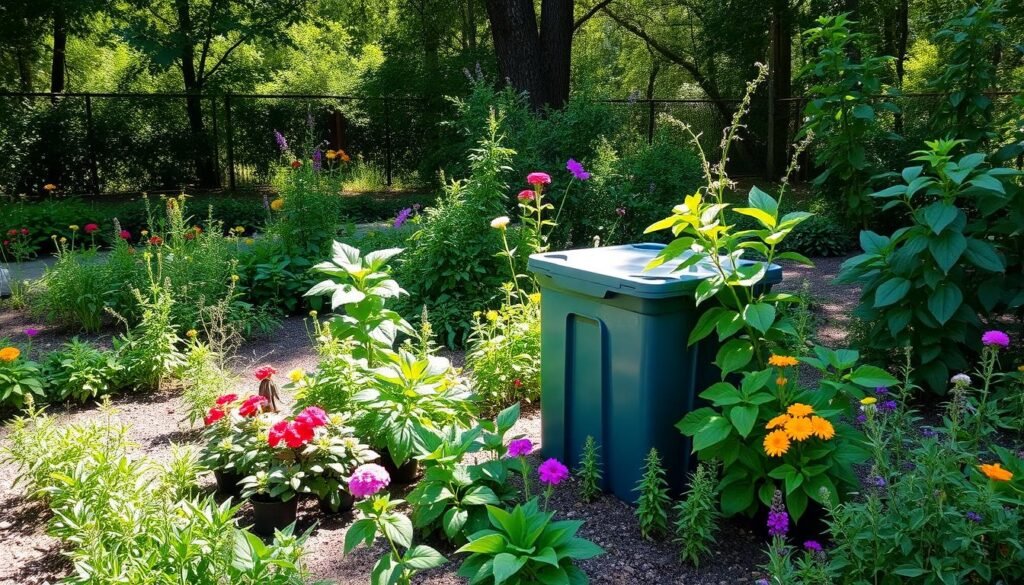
{"points": [[228, 482], [404, 474], [342, 505], [272, 514]]}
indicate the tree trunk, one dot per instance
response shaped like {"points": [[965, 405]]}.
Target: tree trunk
{"points": [[205, 170], [780, 74], [60, 43], [902, 36], [24, 58], [556, 28], [517, 46]]}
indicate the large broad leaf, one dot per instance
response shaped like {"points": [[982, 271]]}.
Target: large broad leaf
{"points": [[947, 248], [891, 291], [743, 418], [872, 377], [938, 215], [737, 497], [984, 256], [505, 566], [735, 354], [705, 324], [398, 528], [713, 432], [944, 302], [872, 243], [361, 531], [760, 316], [423, 557], [487, 544], [760, 200]]}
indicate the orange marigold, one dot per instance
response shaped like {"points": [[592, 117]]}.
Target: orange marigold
{"points": [[776, 443], [995, 471], [799, 409], [782, 361], [277, 204], [9, 354], [777, 421], [822, 428], [799, 429]]}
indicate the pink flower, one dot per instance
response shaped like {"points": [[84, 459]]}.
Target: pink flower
{"points": [[31, 332], [90, 228], [367, 480], [226, 399], [264, 372], [520, 447], [294, 434], [995, 337], [214, 415], [552, 472], [252, 406], [125, 235], [526, 195], [314, 416], [620, 211], [24, 231], [538, 178]]}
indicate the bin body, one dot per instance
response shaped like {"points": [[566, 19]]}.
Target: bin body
{"points": [[615, 363]]}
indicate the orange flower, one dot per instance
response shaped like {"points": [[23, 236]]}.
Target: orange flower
{"points": [[776, 444], [822, 428], [296, 164], [344, 156], [782, 361], [995, 471], [777, 421], [799, 429], [781, 381], [9, 354], [49, 187], [277, 204], [798, 409]]}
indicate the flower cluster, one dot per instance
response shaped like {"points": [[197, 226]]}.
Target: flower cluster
{"points": [[9, 354], [798, 423], [778, 518], [367, 480]]}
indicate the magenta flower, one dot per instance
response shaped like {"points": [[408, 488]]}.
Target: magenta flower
{"points": [[31, 332], [995, 337], [125, 235], [367, 480], [520, 447], [813, 546], [538, 178], [526, 195], [552, 472], [577, 170], [313, 416]]}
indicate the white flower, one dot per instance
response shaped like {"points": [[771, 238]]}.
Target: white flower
{"points": [[961, 380], [500, 223]]}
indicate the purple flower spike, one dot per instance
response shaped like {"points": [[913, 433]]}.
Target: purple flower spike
{"points": [[281, 142], [813, 546], [577, 170], [402, 217], [973, 517], [995, 338]]}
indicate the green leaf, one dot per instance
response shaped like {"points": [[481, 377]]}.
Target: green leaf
{"points": [[735, 354], [743, 418], [487, 544], [398, 528], [722, 394], [580, 549], [423, 557], [891, 291], [872, 242], [705, 324], [737, 497], [944, 302], [947, 248], [864, 112], [695, 420], [507, 418], [362, 530], [766, 219], [760, 316], [505, 566], [453, 522], [870, 376], [763, 201], [713, 432], [938, 215], [984, 256]]}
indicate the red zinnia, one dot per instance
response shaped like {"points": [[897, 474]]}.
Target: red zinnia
{"points": [[24, 231], [294, 434], [296, 164], [264, 372], [252, 405], [214, 415], [526, 195], [90, 228], [226, 399], [125, 235], [517, 383], [156, 240], [12, 232], [314, 416]]}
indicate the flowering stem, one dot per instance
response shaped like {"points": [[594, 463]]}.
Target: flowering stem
{"points": [[511, 264], [526, 477], [990, 355], [547, 495], [564, 197]]}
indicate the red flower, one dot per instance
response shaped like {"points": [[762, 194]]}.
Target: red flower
{"points": [[294, 434], [12, 232], [125, 235], [264, 372], [90, 228], [252, 405], [214, 415], [24, 231], [156, 241], [517, 383], [314, 416], [226, 399], [296, 164], [526, 195], [6, 242]]}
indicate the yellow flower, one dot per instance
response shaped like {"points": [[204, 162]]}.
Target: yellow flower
{"points": [[492, 315], [249, 241], [782, 361], [799, 428], [145, 232], [777, 421], [995, 471], [312, 314], [239, 229], [535, 298], [776, 443], [234, 278], [798, 409], [277, 204], [63, 240], [9, 354], [49, 187], [73, 227], [296, 375], [331, 155], [1020, 368], [868, 400], [781, 381], [500, 223], [822, 428]]}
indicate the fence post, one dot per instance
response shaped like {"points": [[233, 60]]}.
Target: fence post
{"points": [[229, 129], [650, 121], [387, 140], [90, 140]]}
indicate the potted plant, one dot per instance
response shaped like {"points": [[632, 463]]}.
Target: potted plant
{"points": [[330, 458], [228, 439]]}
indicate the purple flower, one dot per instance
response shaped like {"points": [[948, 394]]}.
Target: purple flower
{"points": [[402, 217], [281, 142], [367, 480], [995, 337], [778, 523], [861, 419], [577, 170], [973, 517], [887, 406], [881, 391], [928, 432], [318, 160], [762, 582], [877, 480], [31, 332], [520, 447], [813, 546], [552, 472]]}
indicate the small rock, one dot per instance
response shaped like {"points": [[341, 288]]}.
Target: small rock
{"points": [[5, 525]]}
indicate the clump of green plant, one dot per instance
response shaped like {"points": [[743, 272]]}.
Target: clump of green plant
{"points": [[504, 353], [654, 503], [74, 289], [589, 472], [80, 372], [149, 351], [821, 236], [20, 377], [697, 515], [203, 377]]}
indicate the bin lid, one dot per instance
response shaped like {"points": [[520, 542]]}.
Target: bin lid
{"points": [[620, 270]]}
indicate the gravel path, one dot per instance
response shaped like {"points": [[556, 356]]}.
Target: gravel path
{"points": [[155, 420]]}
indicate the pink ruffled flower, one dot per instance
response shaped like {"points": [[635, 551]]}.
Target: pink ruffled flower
{"points": [[538, 178], [526, 195], [314, 416], [520, 447], [294, 433], [552, 472], [995, 337], [125, 235], [215, 414], [264, 372], [367, 480], [226, 399], [90, 228], [252, 406]]}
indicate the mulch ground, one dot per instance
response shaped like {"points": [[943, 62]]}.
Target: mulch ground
{"points": [[31, 556]]}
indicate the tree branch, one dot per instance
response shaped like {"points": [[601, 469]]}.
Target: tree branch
{"points": [[590, 14], [204, 76]]}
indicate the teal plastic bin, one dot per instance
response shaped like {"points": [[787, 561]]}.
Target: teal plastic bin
{"points": [[615, 364]]}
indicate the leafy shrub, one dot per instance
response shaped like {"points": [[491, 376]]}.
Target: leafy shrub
{"points": [[20, 378], [589, 472], [80, 372], [271, 277], [654, 502], [73, 291], [696, 517], [820, 237], [503, 356], [149, 351], [203, 379]]}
